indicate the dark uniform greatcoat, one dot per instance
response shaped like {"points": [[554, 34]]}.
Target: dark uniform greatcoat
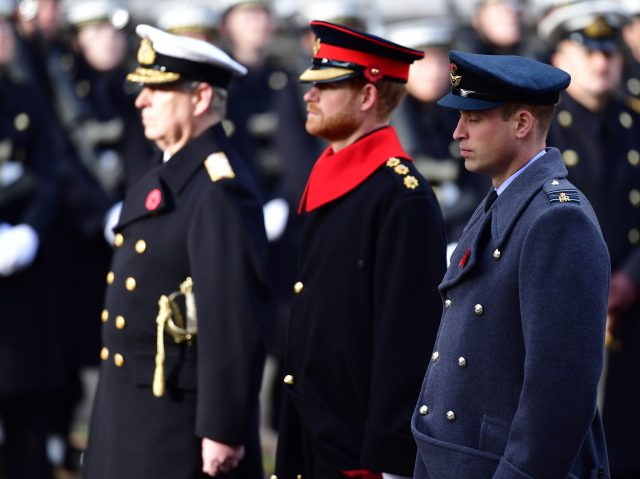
{"points": [[183, 220], [511, 388], [364, 315], [602, 153]]}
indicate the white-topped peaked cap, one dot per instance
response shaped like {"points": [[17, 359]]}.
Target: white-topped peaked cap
{"points": [[7, 8], [181, 17], [595, 23], [167, 58], [82, 12], [632, 6], [345, 12], [423, 32]]}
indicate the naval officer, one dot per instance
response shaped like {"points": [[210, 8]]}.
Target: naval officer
{"points": [[510, 391], [185, 304]]}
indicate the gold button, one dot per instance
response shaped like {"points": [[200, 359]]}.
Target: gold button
{"points": [[120, 322], [118, 359], [298, 287], [634, 236], [141, 246], [633, 157], [570, 158], [626, 120], [130, 283], [565, 118], [447, 303], [478, 309], [375, 71], [424, 410], [110, 277], [451, 416], [299, 476], [288, 379], [104, 316], [496, 254], [104, 354], [462, 362], [273, 476], [435, 356], [118, 239], [634, 198]]}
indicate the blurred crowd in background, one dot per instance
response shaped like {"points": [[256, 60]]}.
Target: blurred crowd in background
{"points": [[70, 138]]}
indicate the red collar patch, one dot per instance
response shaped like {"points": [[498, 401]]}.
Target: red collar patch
{"points": [[336, 174]]}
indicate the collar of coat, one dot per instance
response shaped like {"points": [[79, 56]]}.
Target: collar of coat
{"points": [[336, 174], [148, 197], [504, 213]]}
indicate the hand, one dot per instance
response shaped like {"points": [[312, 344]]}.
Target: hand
{"points": [[18, 248], [276, 214], [110, 220], [218, 458], [623, 293]]}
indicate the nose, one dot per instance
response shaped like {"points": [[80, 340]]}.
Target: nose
{"points": [[142, 99], [312, 94], [459, 133]]}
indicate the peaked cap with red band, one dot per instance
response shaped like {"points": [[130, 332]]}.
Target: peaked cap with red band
{"points": [[341, 52]]}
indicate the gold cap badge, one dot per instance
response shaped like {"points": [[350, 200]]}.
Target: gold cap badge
{"points": [[146, 53], [455, 79]]}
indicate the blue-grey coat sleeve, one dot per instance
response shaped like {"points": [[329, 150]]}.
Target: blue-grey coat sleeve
{"points": [[563, 267]]}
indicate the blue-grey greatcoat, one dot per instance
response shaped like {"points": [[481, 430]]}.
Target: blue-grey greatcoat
{"points": [[510, 391]]}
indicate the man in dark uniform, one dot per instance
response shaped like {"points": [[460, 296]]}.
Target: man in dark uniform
{"points": [[425, 128], [366, 309], [192, 225], [30, 358], [511, 388], [599, 138]]}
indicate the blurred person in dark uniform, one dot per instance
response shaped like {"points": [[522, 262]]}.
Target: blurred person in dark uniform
{"points": [[512, 385], [495, 27], [631, 75], [186, 301], [106, 148], [30, 357], [372, 252], [599, 138], [425, 128], [194, 20], [261, 128]]}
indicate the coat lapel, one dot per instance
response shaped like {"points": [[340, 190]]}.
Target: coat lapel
{"points": [[502, 217]]}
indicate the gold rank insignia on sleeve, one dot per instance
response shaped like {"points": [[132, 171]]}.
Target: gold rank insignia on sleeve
{"points": [[563, 196], [218, 166]]}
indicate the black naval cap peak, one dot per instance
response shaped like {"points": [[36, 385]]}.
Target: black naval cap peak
{"points": [[341, 52], [165, 58], [596, 24], [482, 82]]}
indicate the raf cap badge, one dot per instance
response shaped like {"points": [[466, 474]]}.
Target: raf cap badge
{"points": [[453, 77]]}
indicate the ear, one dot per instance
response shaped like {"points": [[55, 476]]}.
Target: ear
{"points": [[524, 123], [202, 98], [369, 97]]}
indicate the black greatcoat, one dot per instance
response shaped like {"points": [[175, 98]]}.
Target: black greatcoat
{"points": [[364, 316], [180, 220]]}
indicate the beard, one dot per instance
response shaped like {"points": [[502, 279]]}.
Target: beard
{"points": [[335, 126]]}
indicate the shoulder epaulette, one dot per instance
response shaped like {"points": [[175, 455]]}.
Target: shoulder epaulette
{"points": [[218, 166], [561, 191], [410, 182], [563, 196]]}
